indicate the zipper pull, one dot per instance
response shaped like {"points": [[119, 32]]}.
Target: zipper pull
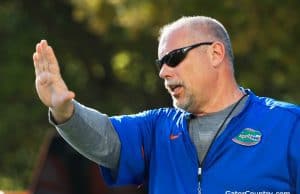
{"points": [[199, 179]]}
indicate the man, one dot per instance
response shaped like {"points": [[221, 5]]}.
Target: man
{"points": [[219, 138]]}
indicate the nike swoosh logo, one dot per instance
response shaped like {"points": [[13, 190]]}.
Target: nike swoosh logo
{"points": [[173, 136]]}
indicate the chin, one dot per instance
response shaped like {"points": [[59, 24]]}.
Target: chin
{"points": [[182, 105], [176, 104]]}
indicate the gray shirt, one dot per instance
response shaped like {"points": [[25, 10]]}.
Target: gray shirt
{"points": [[92, 134], [203, 129]]}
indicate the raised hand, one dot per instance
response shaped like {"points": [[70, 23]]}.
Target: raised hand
{"points": [[50, 86]]}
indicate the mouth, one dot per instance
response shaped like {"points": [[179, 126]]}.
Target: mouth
{"points": [[174, 89]]}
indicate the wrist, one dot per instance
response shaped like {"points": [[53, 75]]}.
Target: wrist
{"points": [[61, 115]]}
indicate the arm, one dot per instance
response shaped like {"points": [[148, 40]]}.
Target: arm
{"points": [[294, 157], [91, 134], [87, 130]]}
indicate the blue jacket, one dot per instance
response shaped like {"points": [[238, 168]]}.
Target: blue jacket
{"points": [[156, 150]]}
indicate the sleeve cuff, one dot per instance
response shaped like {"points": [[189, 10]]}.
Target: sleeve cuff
{"points": [[70, 120]]}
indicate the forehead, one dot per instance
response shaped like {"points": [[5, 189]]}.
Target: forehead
{"points": [[172, 40]]}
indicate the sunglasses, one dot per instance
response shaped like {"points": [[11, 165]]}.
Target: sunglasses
{"points": [[173, 58]]}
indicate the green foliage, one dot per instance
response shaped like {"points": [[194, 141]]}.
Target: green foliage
{"points": [[106, 49]]}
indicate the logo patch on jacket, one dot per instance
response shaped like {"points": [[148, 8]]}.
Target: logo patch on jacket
{"points": [[248, 137]]}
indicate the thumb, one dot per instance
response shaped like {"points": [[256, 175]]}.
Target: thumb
{"points": [[63, 100], [68, 96]]}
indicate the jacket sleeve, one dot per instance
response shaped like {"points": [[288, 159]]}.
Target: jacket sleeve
{"points": [[134, 132], [294, 156]]}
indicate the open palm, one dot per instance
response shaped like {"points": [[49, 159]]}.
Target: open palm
{"points": [[50, 86]]}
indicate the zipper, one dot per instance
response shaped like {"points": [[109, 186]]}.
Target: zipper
{"points": [[200, 164], [194, 152], [199, 179]]}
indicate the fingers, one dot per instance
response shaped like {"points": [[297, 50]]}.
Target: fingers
{"points": [[38, 59], [44, 57], [36, 64], [50, 55]]}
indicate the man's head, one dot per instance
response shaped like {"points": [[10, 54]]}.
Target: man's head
{"points": [[194, 74]]}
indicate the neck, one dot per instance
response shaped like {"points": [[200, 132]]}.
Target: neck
{"points": [[221, 98]]}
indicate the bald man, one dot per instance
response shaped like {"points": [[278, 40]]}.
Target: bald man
{"points": [[218, 137]]}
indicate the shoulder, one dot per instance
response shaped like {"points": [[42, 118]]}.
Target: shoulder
{"points": [[276, 106], [168, 113], [159, 113]]}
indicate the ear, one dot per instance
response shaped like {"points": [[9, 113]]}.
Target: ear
{"points": [[217, 53]]}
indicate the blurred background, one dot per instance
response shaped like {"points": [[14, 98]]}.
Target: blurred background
{"points": [[106, 50]]}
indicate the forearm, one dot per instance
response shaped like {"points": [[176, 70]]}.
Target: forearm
{"points": [[91, 134], [61, 116]]}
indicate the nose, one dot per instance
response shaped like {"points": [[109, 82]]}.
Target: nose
{"points": [[165, 71]]}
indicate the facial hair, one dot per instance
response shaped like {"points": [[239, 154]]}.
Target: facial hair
{"points": [[185, 102]]}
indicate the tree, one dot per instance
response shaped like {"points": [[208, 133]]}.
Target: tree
{"points": [[106, 49]]}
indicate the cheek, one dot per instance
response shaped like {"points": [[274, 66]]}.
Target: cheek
{"points": [[196, 73], [202, 78]]}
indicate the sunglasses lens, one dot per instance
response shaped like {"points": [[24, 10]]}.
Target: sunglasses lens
{"points": [[175, 58], [172, 59]]}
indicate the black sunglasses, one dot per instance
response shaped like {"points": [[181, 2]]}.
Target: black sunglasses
{"points": [[173, 58]]}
